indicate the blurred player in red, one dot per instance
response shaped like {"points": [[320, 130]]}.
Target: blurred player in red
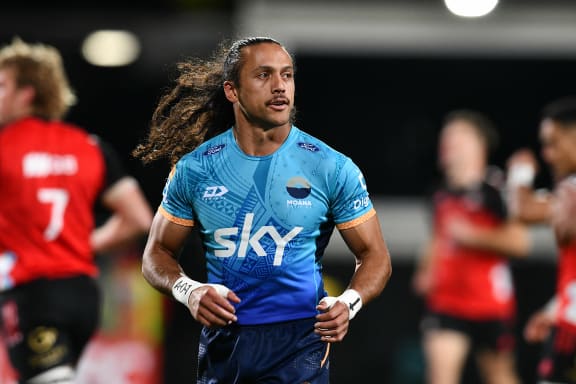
{"points": [[52, 175], [464, 272], [556, 322]]}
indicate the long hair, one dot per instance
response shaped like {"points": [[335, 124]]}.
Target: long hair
{"points": [[40, 66], [196, 109]]}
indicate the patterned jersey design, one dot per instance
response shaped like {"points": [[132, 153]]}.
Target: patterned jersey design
{"points": [[266, 221]]}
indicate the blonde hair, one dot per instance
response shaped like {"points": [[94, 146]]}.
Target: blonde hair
{"points": [[40, 66]]}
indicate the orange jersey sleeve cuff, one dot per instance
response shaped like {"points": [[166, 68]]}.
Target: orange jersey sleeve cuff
{"points": [[174, 219], [357, 221]]}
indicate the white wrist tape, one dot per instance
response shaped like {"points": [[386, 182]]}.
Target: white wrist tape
{"points": [[183, 287], [221, 289], [350, 297], [521, 175], [551, 307]]}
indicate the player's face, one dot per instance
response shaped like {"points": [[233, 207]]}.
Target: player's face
{"points": [[265, 95], [9, 96], [558, 148], [459, 145]]}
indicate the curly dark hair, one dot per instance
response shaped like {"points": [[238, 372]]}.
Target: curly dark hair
{"points": [[196, 109]]}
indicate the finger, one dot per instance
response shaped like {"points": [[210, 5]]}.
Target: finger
{"points": [[214, 295], [208, 319], [331, 339], [213, 310], [338, 323], [327, 302], [334, 310], [332, 335], [233, 297]]}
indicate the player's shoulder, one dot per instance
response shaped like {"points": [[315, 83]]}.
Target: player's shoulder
{"points": [[39, 126], [307, 144], [207, 151], [70, 127], [75, 133], [213, 146]]}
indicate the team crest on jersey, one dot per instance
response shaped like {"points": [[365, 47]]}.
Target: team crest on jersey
{"points": [[299, 188], [308, 146], [214, 150]]}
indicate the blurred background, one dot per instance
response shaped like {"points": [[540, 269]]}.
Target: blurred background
{"points": [[374, 79]]}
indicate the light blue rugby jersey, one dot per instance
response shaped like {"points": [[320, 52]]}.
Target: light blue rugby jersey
{"points": [[266, 221]]}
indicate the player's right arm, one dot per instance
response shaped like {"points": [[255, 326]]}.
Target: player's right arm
{"points": [[130, 219], [161, 270]]}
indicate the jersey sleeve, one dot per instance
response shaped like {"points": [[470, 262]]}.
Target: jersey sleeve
{"points": [[113, 171], [114, 167], [176, 203], [352, 204], [494, 201]]}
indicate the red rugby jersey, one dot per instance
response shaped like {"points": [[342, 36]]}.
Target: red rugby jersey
{"points": [[51, 174], [566, 271], [469, 283], [566, 285]]}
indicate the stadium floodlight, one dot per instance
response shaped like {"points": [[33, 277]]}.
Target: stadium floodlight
{"points": [[471, 8], [111, 48]]}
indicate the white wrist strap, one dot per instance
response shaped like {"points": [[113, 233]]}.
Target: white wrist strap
{"points": [[183, 287], [551, 306], [521, 175], [351, 298]]}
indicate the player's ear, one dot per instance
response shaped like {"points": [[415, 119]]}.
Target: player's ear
{"points": [[27, 94], [230, 91]]}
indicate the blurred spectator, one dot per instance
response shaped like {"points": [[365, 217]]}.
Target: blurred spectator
{"points": [[464, 273]]}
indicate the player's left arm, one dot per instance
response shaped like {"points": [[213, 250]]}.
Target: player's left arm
{"points": [[372, 272], [130, 219], [130, 214]]}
